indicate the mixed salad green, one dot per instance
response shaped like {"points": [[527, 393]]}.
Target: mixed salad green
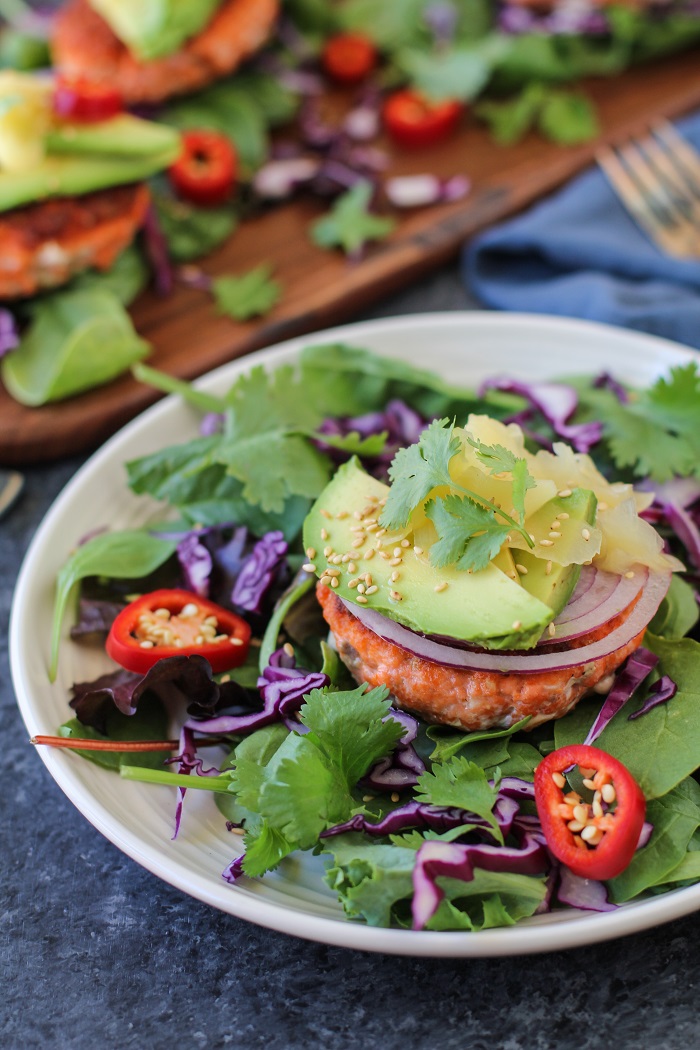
{"points": [[402, 812]]}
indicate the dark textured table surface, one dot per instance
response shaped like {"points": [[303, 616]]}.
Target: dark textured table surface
{"points": [[97, 952]]}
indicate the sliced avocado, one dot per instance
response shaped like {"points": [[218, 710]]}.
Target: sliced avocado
{"points": [[545, 578], [121, 136], [70, 176], [487, 607], [152, 28]]}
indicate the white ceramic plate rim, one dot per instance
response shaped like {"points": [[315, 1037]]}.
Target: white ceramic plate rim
{"points": [[577, 929]]}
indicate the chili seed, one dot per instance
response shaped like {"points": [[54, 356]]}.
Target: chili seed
{"points": [[559, 780], [608, 793]]}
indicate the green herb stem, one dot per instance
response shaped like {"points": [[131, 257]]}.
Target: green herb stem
{"points": [[160, 776], [171, 385], [269, 642]]}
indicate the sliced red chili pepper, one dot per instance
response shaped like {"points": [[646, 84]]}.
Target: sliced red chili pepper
{"points": [[349, 57], [205, 171], [413, 120], [615, 817], [177, 623], [86, 101]]}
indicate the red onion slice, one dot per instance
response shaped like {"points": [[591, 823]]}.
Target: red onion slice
{"points": [[595, 611], [532, 662]]}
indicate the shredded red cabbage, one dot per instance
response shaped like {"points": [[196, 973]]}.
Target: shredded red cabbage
{"points": [[9, 332], [282, 686], [188, 764], [638, 666], [157, 253], [196, 563], [410, 815], [280, 178], [401, 424], [586, 894], [556, 402], [458, 861], [403, 766], [605, 381], [662, 691], [415, 191], [674, 503], [258, 571]]}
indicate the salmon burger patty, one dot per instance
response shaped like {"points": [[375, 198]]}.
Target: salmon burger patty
{"points": [[471, 700], [45, 244], [83, 45]]}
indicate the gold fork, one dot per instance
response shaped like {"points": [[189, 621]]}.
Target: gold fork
{"points": [[658, 180]]}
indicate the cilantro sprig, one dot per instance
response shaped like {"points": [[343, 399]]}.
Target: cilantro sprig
{"points": [[469, 531]]}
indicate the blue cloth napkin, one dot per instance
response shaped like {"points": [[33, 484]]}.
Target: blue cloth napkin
{"points": [[579, 254]]}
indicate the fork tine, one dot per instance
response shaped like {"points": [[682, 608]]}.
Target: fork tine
{"points": [[631, 195], [682, 152], [670, 209]]}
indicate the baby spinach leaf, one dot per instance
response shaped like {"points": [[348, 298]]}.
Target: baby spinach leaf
{"points": [[76, 340], [678, 612], [449, 742], [121, 555]]}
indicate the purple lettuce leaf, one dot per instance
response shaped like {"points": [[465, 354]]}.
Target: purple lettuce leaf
{"points": [[637, 668], [401, 424], [95, 617], [557, 402], [180, 680]]}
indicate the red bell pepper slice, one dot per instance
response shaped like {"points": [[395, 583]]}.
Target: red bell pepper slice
{"points": [[205, 172], [595, 840], [414, 121], [85, 101], [177, 623]]}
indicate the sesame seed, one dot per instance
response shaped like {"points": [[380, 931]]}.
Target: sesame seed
{"points": [[288, 648], [361, 599], [440, 587], [341, 514], [556, 524], [521, 569], [353, 583], [326, 513], [337, 559], [356, 515], [361, 588], [405, 543], [384, 555], [373, 589], [325, 580], [332, 572], [395, 796], [324, 534], [371, 528], [346, 558], [381, 532], [395, 596], [311, 553], [357, 528], [370, 521], [395, 560], [513, 575], [397, 552], [516, 625], [563, 515], [352, 567], [327, 551], [367, 577], [629, 575], [563, 493], [377, 545], [369, 553], [309, 567], [532, 537], [548, 568], [602, 505], [417, 550], [586, 533], [555, 535], [559, 780], [546, 543], [359, 542], [551, 630], [334, 581], [394, 576], [368, 798]]}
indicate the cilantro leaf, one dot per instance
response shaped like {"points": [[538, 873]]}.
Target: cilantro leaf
{"points": [[463, 784], [459, 72], [468, 534], [510, 121], [265, 847], [351, 728], [417, 470], [655, 432], [349, 225], [251, 294], [568, 118], [501, 460]]}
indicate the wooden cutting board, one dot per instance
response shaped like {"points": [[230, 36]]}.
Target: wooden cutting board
{"points": [[320, 287]]}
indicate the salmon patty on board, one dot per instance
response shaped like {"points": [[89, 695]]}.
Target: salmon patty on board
{"points": [[47, 243], [83, 45]]}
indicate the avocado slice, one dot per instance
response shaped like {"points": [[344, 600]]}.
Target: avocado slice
{"points": [[546, 579], [487, 608], [152, 28], [69, 175], [120, 136]]}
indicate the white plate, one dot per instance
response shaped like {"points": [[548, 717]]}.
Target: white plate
{"points": [[138, 818]]}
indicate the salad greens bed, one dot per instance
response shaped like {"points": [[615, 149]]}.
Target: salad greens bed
{"points": [[514, 66], [311, 761]]}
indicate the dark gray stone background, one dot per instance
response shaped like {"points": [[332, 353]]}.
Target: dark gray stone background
{"points": [[97, 952]]}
